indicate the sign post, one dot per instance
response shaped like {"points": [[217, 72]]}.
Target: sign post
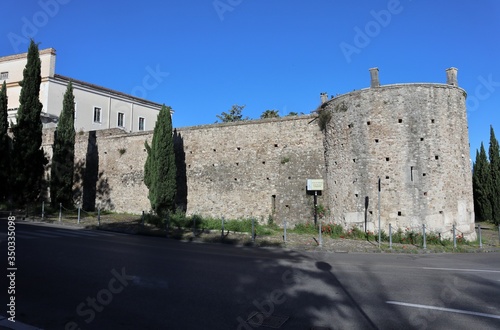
{"points": [[379, 233], [315, 185]]}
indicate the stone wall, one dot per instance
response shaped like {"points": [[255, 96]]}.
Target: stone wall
{"points": [[256, 168], [415, 138]]}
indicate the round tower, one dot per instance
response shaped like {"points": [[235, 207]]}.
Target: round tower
{"points": [[411, 137]]}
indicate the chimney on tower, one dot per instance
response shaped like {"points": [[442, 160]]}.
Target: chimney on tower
{"points": [[451, 76], [374, 82]]}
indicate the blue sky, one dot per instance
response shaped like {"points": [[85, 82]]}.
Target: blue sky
{"points": [[202, 56]]}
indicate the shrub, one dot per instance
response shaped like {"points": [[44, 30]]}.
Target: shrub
{"points": [[307, 228], [333, 230]]}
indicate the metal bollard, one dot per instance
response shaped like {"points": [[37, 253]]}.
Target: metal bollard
{"points": [[43, 210], [480, 238], [194, 226], [222, 229], [99, 216], [60, 212], [284, 230], [454, 237], [390, 236], [253, 230], [320, 235], [79, 208], [425, 243]]}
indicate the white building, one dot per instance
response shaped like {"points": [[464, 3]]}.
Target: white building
{"points": [[96, 107]]}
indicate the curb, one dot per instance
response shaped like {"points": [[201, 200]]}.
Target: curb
{"points": [[6, 324]]}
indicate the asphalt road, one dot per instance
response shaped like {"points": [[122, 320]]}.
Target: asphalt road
{"points": [[78, 279]]}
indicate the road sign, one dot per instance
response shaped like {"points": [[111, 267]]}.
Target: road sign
{"points": [[315, 184]]}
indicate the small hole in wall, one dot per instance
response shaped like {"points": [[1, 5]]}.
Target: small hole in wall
{"points": [[238, 148], [351, 125], [354, 160], [424, 174], [189, 166], [235, 179], [289, 177], [287, 206], [143, 149], [371, 212], [276, 145], [399, 213], [387, 159], [264, 163], [267, 178], [105, 152], [368, 123], [400, 120], [425, 193], [421, 139], [189, 152], [387, 177], [440, 212], [436, 157], [237, 164], [433, 121], [215, 150], [356, 195], [376, 140]]}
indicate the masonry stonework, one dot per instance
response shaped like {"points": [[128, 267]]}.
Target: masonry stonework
{"points": [[414, 137], [254, 168]]}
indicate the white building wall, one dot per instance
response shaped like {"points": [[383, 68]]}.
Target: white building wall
{"points": [[87, 98]]}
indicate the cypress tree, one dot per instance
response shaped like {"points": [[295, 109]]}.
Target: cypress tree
{"points": [[29, 159], [494, 155], [159, 169], [481, 185], [4, 145], [63, 158]]}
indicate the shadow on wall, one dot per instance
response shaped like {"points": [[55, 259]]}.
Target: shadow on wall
{"points": [[180, 163], [89, 182]]}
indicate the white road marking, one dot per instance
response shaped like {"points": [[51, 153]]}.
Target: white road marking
{"points": [[443, 309], [464, 270]]}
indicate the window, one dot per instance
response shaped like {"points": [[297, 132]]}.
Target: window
{"points": [[141, 124], [4, 75], [120, 119], [97, 115]]}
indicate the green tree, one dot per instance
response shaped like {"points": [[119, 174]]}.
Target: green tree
{"points": [[28, 156], [494, 155], [4, 144], [159, 169], [270, 114], [63, 158], [292, 113], [481, 185], [235, 114]]}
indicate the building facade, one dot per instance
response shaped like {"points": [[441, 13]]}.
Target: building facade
{"points": [[96, 107]]}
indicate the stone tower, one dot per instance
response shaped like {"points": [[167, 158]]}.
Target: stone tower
{"points": [[414, 137]]}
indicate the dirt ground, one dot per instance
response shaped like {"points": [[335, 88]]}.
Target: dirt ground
{"points": [[303, 242]]}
